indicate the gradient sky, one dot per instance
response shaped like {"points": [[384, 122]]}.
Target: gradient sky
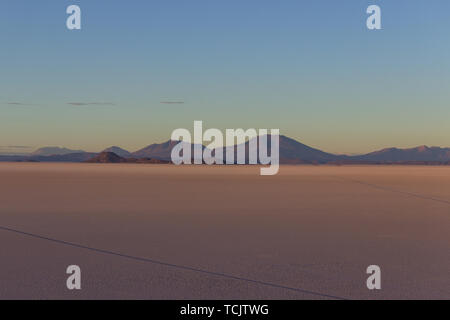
{"points": [[308, 67]]}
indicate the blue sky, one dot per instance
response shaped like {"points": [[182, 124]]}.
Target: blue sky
{"points": [[310, 68]]}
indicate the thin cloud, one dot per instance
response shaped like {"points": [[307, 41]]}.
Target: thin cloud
{"points": [[14, 103], [78, 104], [169, 101]]}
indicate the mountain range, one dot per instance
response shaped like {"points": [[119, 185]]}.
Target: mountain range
{"points": [[111, 157], [50, 151], [291, 152]]}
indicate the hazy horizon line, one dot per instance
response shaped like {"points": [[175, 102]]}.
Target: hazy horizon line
{"points": [[75, 149]]}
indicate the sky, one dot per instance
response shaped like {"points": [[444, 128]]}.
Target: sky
{"points": [[138, 69]]}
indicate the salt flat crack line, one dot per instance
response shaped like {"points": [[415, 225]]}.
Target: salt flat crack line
{"points": [[411, 194], [181, 267]]}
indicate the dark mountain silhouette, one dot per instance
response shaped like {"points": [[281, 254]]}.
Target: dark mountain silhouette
{"points": [[107, 157], [50, 151], [71, 157], [157, 150], [162, 151], [294, 152], [119, 151], [148, 160], [291, 152], [111, 157], [15, 158], [291, 149], [422, 153]]}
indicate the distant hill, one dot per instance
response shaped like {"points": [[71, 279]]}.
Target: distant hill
{"points": [[106, 157], [119, 151], [111, 157], [162, 151], [294, 152], [291, 152], [71, 157], [50, 151], [8, 158], [422, 153], [157, 150]]}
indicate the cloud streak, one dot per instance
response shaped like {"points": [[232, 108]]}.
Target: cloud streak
{"points": [[82, 104], [172, 102], [76, 103], [15, 103]]}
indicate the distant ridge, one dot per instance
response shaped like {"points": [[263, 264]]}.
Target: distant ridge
{"points": [[291, 152], [106, 157], [71, 157], [157, 150], [111, 157], [119, 151], [162, 151], [294, 152], [50, 151], [422, 153]]}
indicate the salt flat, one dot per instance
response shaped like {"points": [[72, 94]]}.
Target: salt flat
{"points": [[223, 232]]}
